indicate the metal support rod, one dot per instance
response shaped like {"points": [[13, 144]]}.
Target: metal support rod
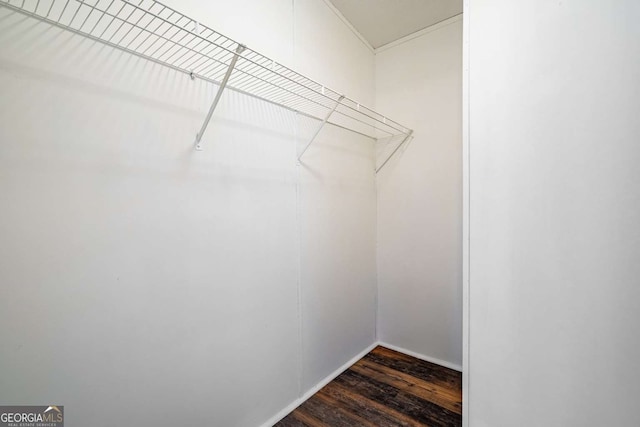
{"points": [[223, 84], [324, 122], [406, 138]]}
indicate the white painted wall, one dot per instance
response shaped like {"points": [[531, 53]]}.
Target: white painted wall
{"points": [[420, 196], [338, 261], [554, 213], [140, 275], [337, 203]]}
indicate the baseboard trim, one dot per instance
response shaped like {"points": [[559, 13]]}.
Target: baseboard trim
{"points": [[299, 401], [422, 356]]}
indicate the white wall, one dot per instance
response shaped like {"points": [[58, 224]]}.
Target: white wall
{"points": [[554, 213], [337, 203], [140, 275], [420, 196]]}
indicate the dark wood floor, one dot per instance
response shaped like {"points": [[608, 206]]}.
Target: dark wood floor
{"points": [[385, 388]]}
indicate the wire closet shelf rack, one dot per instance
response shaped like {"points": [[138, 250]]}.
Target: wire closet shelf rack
{"points": [[158, 33]]}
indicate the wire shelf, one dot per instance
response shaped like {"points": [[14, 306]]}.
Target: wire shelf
{"points": [[158, 33]]}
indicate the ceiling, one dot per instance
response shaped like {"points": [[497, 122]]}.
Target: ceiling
{"points": [[384, 21]]}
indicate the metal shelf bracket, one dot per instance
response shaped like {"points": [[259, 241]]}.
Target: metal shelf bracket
{"points": [[239, 49], [405, 139], [324, 122]]}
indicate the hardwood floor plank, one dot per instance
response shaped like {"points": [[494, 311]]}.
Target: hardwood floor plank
{"points": [[301, 414], [355, 417], [385, 389], [421, 410], [381, 415], [329, 415], [415, 367], [435, 393]]}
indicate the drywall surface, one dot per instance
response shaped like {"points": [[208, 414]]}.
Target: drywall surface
{"points": [[554, 210], [158, 282], [419, 196], [338, 261], [337, 204]]}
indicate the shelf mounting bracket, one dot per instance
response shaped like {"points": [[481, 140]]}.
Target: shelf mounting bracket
{"points": [[324, 122], [239, 49], [405, 139]]}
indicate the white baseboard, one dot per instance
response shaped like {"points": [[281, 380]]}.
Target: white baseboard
{"points": [[422, 356], [299, 401]]}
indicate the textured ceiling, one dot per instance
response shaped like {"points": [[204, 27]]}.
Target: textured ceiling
{"points": [[383, 21]]}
